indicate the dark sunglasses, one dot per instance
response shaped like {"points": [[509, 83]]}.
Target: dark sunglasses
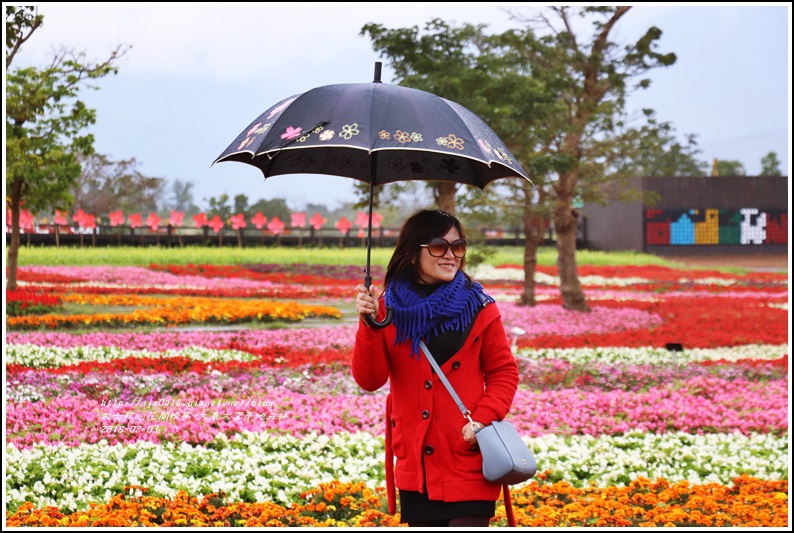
{"points": [[438, 247]]}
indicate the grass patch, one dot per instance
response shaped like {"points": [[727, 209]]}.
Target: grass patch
{"points": [[83, 309], [144, 256]]}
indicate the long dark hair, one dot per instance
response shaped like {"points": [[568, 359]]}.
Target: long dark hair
{"points": [[420, 227]]}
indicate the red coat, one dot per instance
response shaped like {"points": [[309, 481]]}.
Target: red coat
{"points": [[423, 422]]}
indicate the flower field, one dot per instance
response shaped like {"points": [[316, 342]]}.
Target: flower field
{"points": [[221, 395]]}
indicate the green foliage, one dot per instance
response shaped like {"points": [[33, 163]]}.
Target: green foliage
{"points": [[770, 165], [466, 66], [557, 99], [240, 203], [478, 255], [46, 128], [276, 207], [21, 22], [653, 150], [219, 206], [20, 309], [730, 167]]}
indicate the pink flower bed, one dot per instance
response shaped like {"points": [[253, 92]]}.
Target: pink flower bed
{"points": [[544, 319], [143, 277], [696, 405], [76, 420], [319, 338]]}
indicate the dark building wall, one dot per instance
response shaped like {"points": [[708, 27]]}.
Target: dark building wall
{"points": [[696, 216], [720, 192], [615, 226]]}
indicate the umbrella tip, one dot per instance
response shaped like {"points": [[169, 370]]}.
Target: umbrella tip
{"points": [[378, 65]]}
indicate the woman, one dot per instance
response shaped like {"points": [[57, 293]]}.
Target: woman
{"points": [[438, 468]]}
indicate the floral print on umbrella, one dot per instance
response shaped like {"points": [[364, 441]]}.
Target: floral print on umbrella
{"points": [[348, 131], [291, 132]]}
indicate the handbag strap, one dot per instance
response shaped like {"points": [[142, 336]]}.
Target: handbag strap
{"points": [[466, 413]]}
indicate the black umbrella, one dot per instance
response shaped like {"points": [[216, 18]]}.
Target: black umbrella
{"points": [[376, 133]]}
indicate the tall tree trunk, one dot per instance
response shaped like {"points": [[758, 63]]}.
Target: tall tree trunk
{"points": [[444, 191], [565, 228], [13, 249], [533, 236]]}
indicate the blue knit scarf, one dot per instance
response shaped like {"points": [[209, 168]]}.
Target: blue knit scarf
{"points": [[451, 307]]}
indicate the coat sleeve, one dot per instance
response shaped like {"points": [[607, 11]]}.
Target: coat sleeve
{"points": [[370, 364], [500, 372]]}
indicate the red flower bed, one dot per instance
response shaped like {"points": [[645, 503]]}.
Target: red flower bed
{"points": [[689, 286], [243, 272], [38, 277], [657, 273], [270, 357], [30, 301], [287, 292], [694, 322], [754, 363]]}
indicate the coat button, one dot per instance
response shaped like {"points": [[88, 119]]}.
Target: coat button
{"points": [[425, 414], [429, 450], [428, 384], [456, 365], [392, 423]]}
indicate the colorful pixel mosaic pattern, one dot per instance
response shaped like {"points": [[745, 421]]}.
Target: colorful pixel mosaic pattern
{"points": [[748, 226]]}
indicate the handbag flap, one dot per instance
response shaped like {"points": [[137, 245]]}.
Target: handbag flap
{"points": [[506, 457]]}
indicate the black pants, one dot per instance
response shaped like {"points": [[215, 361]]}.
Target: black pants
{"points": [[463, 521]]}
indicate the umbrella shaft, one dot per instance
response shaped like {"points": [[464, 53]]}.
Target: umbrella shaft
{"points": [[368, 277]]}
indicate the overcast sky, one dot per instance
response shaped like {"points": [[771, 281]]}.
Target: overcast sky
{"points": [[197, 74]]}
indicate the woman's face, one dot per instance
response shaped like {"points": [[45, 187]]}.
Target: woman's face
{"points": [[439, 269]]}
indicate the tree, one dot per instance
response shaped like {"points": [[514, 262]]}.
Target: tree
{"points": [[45, 124], [486, 75], [655, 151], [438, 62], [105, 186], [182, 197], [728, 167], [770, 165], [317, 208], [241, 203], [277, 207], [558, 105], [219, 206], [20, 25], [592, 114]]}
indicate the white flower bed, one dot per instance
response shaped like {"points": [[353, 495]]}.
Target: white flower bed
{"points": [[35, 356], [264, 467], [654, 356]]}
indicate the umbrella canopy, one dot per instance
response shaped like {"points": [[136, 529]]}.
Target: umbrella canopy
{"points": [[376, 133]]}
